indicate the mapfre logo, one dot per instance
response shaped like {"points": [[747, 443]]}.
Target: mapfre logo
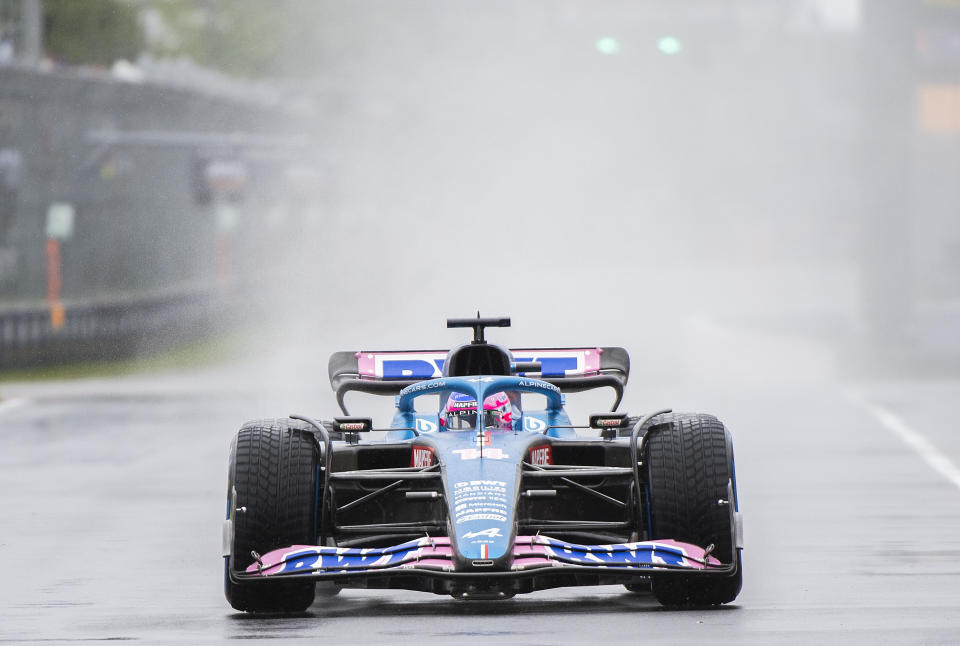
{"points": [[541, 455], [422, 456]]}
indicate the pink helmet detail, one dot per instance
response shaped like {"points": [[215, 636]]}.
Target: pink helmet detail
{"points": [[462, 407]]}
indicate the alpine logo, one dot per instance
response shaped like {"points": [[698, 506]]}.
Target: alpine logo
{"points": [[422, 456], [541, 455], [491, 532]]}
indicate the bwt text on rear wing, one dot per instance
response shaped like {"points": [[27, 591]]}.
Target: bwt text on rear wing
{"points": [[388, 372]]}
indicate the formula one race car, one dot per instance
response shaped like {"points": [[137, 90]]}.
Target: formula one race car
{"points": [[473, 493]]}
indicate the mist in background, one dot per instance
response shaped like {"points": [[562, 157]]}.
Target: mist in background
{"points": [[633, 164], [632, 173]]}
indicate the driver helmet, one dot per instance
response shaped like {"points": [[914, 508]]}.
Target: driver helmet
{"points": [[460, 412]]}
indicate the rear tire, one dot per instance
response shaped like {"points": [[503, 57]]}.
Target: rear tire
{"points": [[274, 474], [690, 468]]}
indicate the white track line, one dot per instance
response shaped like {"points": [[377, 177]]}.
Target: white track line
{"points": [[10, 404], [937, 460]]}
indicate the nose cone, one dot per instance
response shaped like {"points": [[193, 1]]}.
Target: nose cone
{"points": [[482, 480]]}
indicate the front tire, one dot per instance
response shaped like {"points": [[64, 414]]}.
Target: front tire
{"points": [[692, 495], [272, 492]]}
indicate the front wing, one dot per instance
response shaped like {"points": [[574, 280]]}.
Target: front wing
{"points": [[432, 557]]}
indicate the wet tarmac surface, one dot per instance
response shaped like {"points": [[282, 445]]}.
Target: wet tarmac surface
{"points": [[112, 495]]}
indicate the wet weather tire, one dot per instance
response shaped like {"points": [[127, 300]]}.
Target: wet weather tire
{"points": [[272, 490], [691, 475]]}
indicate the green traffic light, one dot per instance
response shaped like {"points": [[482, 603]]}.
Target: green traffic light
{"points": [[669, 45], [608, 45]]}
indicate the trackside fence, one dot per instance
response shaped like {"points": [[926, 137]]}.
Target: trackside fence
{"points": [[30, 336]]}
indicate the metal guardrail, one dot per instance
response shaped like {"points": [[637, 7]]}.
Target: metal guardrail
{"points": [[107, 329]]}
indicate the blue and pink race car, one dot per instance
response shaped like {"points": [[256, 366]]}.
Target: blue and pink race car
{"points": [[482, 487]]}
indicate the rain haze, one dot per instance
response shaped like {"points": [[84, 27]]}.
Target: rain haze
{"points": [[200, 201]]}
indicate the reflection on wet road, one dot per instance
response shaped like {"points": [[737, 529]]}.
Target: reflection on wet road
{"points": [[113, 493]]}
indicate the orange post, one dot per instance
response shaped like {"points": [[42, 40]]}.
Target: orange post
{"points": [[58, 315]]}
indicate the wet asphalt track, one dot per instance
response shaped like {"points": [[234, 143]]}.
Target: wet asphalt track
{"points": [[111, 494]]}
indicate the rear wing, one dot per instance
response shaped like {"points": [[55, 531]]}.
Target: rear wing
{"points": [[387, 373]]}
